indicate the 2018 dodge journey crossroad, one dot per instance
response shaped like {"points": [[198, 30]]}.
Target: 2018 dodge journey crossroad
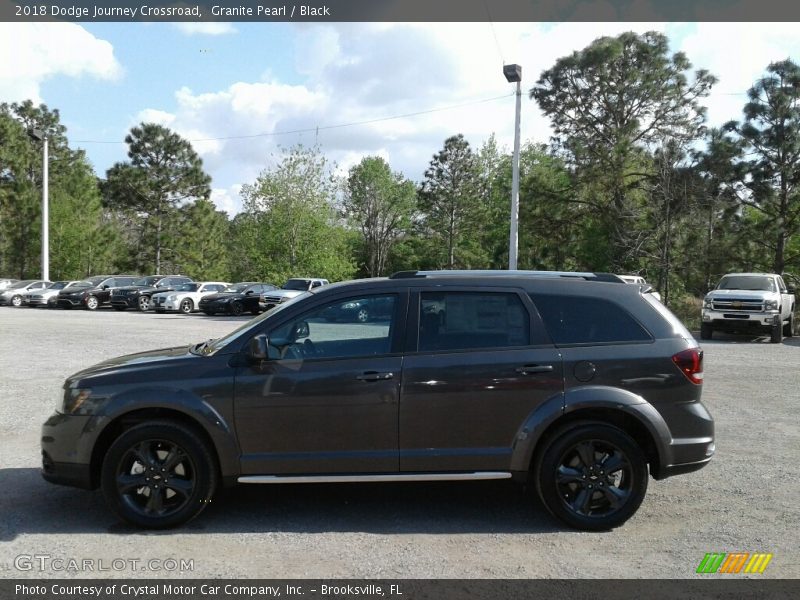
{"points": [[572, 382]]}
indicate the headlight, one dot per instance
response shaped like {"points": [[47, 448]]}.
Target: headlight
{"points": [[171, 298], [708, 302], [771, 305], [79, 402]]}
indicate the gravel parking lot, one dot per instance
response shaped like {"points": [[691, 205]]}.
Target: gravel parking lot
{"points": [[746, 500]]}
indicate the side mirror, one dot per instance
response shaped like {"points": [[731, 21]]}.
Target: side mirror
{"points": [[248, 292], [791, 289], [105, 287], [301, 330], [259, 347]]}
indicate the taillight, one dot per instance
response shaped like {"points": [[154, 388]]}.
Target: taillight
{"points": [[690, 362]]}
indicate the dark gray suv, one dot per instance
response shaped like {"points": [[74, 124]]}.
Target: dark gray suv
{"points": [[575, 383]]}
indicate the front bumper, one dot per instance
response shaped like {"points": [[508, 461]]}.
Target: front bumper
{"points": [[125, 301], [740, 319], [216, 306], [70, 302], [66, 450]]}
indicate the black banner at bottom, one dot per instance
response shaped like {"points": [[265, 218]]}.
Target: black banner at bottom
{"points": [[397, 589]]}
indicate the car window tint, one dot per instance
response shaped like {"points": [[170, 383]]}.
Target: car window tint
{"points": [[471, 321], [584, 320], [348, 328]]}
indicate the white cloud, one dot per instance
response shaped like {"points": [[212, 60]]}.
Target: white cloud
{"points": [[44, 50], [205, 28], [227, 199], [364, 73]]}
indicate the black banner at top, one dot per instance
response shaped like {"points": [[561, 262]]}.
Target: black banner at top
{"points": [[400, 10]]}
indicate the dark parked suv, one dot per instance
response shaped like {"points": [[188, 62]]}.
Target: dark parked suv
{"points": [[138, 293], [92, 293], [574, 383]]}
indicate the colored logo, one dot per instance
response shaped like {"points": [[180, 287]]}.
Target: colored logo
{"points": [[734, 562]]}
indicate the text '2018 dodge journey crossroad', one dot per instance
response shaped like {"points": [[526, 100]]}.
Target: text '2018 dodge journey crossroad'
{"points": [[574, 383]]}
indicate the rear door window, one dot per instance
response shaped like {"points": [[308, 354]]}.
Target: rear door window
{"points": [[472, 321]]}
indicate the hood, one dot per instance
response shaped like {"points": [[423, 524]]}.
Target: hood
{"points": [[761, 294], [131, 361], [223, 296], [283, 293], [139, 288]]}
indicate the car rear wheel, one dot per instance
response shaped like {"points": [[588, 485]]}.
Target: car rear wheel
{"points": [[592, 476], [706, 331], [187, 306], [144, 303], [236, 308], [92, 303], [158, 475]]}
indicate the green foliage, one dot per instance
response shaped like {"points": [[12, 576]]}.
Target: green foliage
{"points": [[380, 204], [164, 171], [451, 205], [291, 227], [608, 104], [200, 250]]}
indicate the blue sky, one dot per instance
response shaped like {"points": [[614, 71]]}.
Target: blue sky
{"points": [[215, 80]]}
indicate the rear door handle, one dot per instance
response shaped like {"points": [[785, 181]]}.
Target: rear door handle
{"points": [[374, 376], [532, 369]]}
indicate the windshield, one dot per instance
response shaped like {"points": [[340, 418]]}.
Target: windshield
{"points": [[187, 287], [213, 346], [21, 284], [146, 281], [297, 284], [82, 284], [57, 285], [747, 282]]}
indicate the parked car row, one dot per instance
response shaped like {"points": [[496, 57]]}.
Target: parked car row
{"points": [[161, 293]]}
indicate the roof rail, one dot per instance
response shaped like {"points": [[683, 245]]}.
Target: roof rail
{"points": [[587, 276]]}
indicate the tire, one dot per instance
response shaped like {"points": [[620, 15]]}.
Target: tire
{"points": [[187, 306], [584, 496], [776, 333], [362, 316], [16, 301], [92, 303], [706, 331], [788, 329], [143, 303], [236, 308], [146, 449]]}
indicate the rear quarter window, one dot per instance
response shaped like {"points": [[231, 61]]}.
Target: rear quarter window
{"points": [[588, 320]]}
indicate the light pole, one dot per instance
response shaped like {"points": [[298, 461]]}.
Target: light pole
{"points": [[40, 135], [513, 74]]}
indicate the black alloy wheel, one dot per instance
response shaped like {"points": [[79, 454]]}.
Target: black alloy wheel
{"points": [[236, 308], [593, 476], [158, 475]]}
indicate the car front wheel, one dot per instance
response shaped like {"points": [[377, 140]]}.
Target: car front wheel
{"points": [[92, 303], [158, 475], [187, 306], [236, 308], [16, 301], [592, 476]]}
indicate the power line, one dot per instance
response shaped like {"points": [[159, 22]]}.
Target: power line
{"points": [[323, 127]]}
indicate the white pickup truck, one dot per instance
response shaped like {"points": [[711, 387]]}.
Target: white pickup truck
{"points": [[745, 302]]}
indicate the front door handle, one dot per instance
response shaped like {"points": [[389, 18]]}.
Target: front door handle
{"points": [[532, 369], [374, 376]]}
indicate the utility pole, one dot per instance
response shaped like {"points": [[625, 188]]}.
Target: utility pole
{"points": [[513, 74], [40, 135]]}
